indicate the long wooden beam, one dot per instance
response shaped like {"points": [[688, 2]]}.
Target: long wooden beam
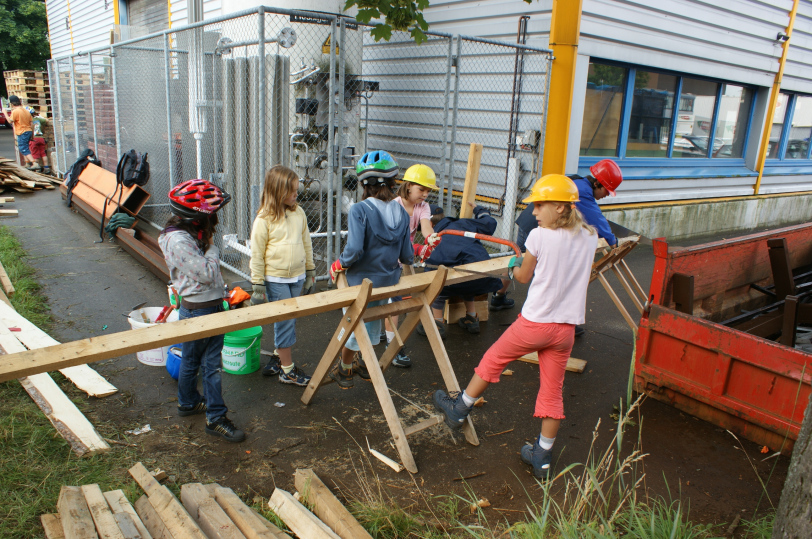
{"points": [[128, 342]]}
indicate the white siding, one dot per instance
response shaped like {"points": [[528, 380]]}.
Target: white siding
{"points": [[798, 69], [180, 11], [90, 24]]}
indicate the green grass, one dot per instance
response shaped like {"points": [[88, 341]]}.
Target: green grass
{"points": [[26, 299]]}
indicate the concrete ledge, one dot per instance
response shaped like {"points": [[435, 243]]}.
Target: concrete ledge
{"points": [[698, 218]]}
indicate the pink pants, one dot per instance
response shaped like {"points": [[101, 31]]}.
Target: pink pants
{"points": [[553, 342]]}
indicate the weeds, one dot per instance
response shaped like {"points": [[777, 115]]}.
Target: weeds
{"points": [[27, 299]]}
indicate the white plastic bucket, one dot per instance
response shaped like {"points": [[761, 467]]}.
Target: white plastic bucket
{"points": [[157, 356]]}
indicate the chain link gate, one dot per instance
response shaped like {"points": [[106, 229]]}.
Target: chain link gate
{"points": [[200, 102]]}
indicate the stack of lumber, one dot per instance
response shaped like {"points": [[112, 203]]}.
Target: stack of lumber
{"points": [[13, 176], [17, 334], [31, 87], [203, 512]]}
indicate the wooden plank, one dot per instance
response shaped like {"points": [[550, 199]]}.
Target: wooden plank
{"points": [[126, 526], [617, 302], [119, 503], [455, 310], [5, 300], [77, 522], [128, 342], [250, 523], [106, 524], [301, 521], [8, 213], [6, 281], [82, 376], [144, 479], [426, 423], [177, 520], [52, 524], [151, 520], [471, 181], [327, 507], [209, 515], [573, 364]]}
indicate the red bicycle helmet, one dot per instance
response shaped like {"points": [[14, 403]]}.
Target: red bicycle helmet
{"points": [[193, 199]]}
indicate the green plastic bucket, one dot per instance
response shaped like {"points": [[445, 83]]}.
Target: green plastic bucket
{"points": [[241, 351]]}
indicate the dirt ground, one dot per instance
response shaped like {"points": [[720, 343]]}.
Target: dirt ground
{"points": [[90, 286]]}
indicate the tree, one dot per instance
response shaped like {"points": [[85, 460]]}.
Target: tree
{"points": [[794, 513], [23, 35]]}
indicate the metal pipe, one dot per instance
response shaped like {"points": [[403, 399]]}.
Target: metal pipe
{"points": [[297, 81], [115, 99], [511, 190], [454, 124], [168, 114], [515, 98], [74, 100], [232, 269], [262, 103], [340, 103], [502, 44], [93, 102], [542, 134], [331, 140], [443, 172], [60, 163]]}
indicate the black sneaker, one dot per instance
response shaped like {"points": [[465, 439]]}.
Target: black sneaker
{"points": [[198, 408], [402, 360], [453, 408], [500, 302], [441, 327], [342, 377], [579, 330], [222, 426], [359, 367], [469, 323], [296, 377], [539, 459], [274, 367]]}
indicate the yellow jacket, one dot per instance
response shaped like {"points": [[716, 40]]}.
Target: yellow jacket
{"points": [[281, 248]]}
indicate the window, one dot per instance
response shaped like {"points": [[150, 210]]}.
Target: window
{"points": [[791, 143], [629, 113]]}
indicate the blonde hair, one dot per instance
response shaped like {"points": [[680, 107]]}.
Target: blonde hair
{"points": [[571, 219], [279, 184]]}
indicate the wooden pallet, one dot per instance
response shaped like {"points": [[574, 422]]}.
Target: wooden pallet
{"points": [[25, 74]]}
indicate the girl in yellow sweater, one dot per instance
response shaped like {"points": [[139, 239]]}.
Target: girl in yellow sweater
{"points": [[281, 263]]}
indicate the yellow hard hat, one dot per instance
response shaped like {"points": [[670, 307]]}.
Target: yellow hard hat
{"points": [[421, 175], [553, 188]]}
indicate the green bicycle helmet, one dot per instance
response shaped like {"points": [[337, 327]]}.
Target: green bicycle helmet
{"points": [[376, 167]]}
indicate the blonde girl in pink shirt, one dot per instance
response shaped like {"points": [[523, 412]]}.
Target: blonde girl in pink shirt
{"points": [[418, 182], [559, 261]]}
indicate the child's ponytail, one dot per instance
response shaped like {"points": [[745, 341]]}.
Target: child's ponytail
{"points": [[571, 219]]}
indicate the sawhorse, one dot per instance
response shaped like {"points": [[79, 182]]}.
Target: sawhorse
{"points": [[614, 260], [418, 309]]}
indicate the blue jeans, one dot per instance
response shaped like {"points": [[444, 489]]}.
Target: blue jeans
{"points": [[284, 333], [373, 328], [202, 355], [22, 142]]}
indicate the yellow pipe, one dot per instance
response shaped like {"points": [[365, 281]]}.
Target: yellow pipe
{"points": [[565, 27], [116, 14], [169, 10], [70, 29], [768, 121]]}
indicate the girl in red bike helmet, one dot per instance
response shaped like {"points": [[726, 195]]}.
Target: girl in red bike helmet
{"points": [[193, 260]]}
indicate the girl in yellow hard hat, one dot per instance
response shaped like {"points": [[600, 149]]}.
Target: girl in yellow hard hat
{"points": [[559, 262]]}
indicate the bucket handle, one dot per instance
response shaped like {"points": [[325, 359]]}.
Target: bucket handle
{"points": [[249, 346]]}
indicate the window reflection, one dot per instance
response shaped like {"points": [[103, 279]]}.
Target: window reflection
{"points": [[602, 110], [731, 128], [694, 119], [652, 110], [778, 126], [798, 142]]}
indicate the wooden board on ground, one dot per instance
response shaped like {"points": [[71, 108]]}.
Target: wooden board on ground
{"points": [[77, 522], [471, 181], [209, 515], [152, 521], [177, 520], [250, 523], [327, 507], [573, 364], [301, 521], [105, 522], [52, 525], [82, 376], [119, 504], [6, 282]]}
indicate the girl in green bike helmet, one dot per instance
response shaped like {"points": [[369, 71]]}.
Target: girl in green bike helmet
{"points": [[376, 167]]}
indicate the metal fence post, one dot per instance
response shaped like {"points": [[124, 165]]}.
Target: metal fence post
{"points": [[544, 117], [115, 99], [340, 95], [93, 103], [169, 140], [59, 162], [331, 154], [74, 100], [262, 126], [443, 170], [454, 124]]}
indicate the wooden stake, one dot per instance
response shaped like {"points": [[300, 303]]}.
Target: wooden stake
{"points": [[6, 282], [102, 516], [77, 523], [52, 525], [250, 523], [152, 521], [301, 521], [119, 504], [327, 507], [573, 364], [471, 180], [204, 509]]}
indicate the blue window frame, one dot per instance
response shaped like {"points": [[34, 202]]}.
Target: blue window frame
{"points": [[789, 151], [656, 138]]}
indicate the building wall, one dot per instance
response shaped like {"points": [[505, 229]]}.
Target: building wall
{"points": [[80, 25]]}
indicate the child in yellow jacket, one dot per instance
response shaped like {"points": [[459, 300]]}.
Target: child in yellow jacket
{"points": [[281, 263]]}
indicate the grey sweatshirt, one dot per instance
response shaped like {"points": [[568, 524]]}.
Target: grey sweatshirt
{"points": [[196, 276]]}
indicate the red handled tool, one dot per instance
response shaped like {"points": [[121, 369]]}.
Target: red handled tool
{"points": [[482, 237], [164, 314]]}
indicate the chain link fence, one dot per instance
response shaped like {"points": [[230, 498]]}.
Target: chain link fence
{"points": [[201, 104]]}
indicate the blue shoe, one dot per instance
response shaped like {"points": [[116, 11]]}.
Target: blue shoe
{"points": [[296, 377], [469, 323], [274, 366], [402, 360], [453, 408], [539, 459], [500, 302]]}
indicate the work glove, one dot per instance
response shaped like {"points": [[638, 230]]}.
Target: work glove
{"points": [[258, 297], [515, 262], [335, 269], [310, 281], [422, 251], [433, 240]]}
